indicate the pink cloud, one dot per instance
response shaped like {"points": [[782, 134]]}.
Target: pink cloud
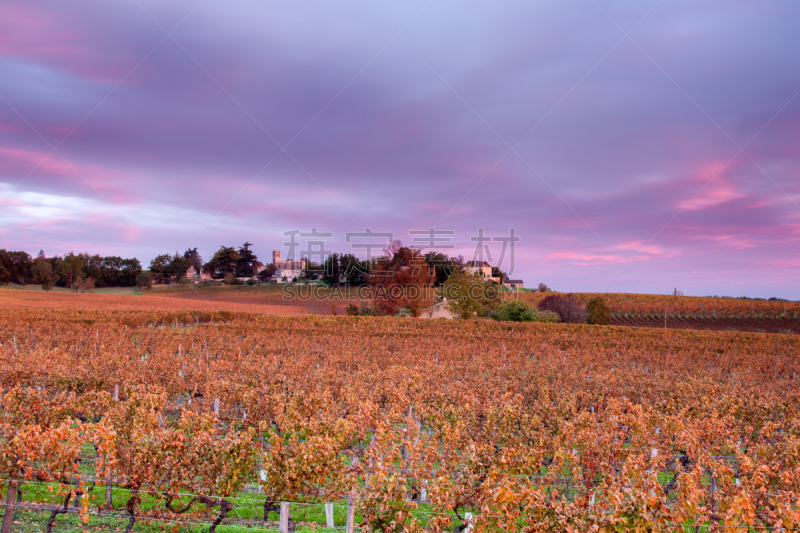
{"points": [[717, 189], [11, 128], [108, 182], [35, 33], [641, 247], [589, 258]]}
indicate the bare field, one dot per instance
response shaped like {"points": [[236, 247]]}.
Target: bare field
{"points": [[154, 301], [269, 299]]}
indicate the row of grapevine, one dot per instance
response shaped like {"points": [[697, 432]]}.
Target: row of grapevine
{"points": [[686, 306], [417, 424]]}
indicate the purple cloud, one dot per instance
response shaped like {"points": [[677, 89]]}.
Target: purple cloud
{"points": [[616, 159]]}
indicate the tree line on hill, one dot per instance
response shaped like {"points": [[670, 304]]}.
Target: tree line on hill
{"points": [[227, 261], [400, 265], [80, 272], [337, 269]]}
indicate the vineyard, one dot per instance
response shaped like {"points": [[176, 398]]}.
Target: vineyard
{"points": [[220, 421], [686, 306], [265, 300], [694, 312]]}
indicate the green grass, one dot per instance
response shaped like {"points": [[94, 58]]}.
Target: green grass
{"points": [[104, 290], [247, 515], [244, 517], [34, 521]]}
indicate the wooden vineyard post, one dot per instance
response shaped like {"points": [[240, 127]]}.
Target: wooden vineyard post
{"points": [[712, 489], [468, 520], [110, 478], [285, 517], [8, 513], [351, 503], [351, 513], [329, 523], [216, 406]]}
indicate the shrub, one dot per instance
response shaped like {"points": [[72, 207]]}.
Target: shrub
{"points": [[83, 285], [230, 279], [568, 308], [514, 311], [144, 281], [519, 311], [183, 280], [543, 288], [352, 310], [599, 312], [467, 296], [251, 282], [366, 310]]}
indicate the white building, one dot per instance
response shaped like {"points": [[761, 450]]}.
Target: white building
{"points": [[287, 269]]}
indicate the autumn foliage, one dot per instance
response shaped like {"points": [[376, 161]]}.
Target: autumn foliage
{"points": [[526, 426]]}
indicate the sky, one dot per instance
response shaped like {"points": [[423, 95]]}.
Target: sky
{"points": [[630, 146]]}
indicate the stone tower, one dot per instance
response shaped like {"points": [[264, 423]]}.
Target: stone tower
{"points": [[276, 256]]}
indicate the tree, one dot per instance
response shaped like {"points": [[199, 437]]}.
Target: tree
{"points": [[72, 269], [543, 288], [178, 266], [194, 258], [5, 275], [43, 273], [599, 312], [224, 261], [159, 267], [129, 272], [83, 285], [247, 261], [268, 272], [18, 265], [93, 267], [331, 270], [111, 271], [467, 296], [403, 280], [567, 307], [312, 271], [353, 269], [443, 266], [144, 280]]}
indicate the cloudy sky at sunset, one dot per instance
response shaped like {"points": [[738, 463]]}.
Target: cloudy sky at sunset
{"points": [[633, 146]]}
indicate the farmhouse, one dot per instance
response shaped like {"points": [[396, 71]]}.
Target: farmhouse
{"points": [[481, 269], [514, 283], [194, 276]]}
